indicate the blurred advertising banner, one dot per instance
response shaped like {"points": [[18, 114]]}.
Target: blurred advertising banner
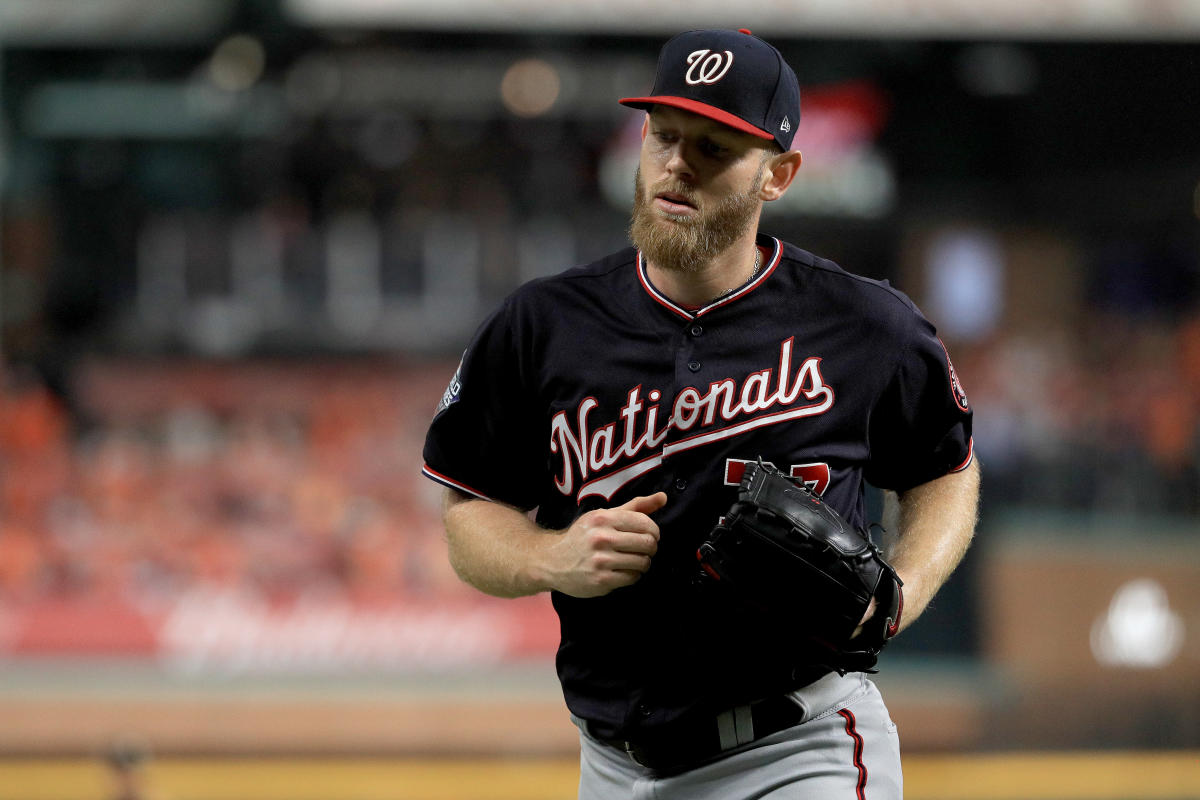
{"points": [[224, 632], [1101, 627], [1084, 610]]}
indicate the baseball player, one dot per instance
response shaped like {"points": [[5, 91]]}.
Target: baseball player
{"points": [[600, 421]]}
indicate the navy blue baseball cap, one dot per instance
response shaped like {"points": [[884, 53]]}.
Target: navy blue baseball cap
{"points": [[732, 77]]}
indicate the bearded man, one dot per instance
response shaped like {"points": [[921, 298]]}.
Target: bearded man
{"points": [[599, 422]]}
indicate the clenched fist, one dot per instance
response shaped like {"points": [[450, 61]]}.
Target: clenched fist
{"points": [[605, 549]]}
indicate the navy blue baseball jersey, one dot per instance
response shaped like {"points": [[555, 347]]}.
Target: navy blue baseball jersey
{"points": [[589, 388]]}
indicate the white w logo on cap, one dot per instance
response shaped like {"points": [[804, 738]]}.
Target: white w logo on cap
{"points": [[707, 66]]}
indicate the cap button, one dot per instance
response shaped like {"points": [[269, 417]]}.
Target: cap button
{"points": [[745, 31]]}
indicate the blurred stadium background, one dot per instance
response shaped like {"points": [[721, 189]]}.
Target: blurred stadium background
{"points": [[242, 245]]}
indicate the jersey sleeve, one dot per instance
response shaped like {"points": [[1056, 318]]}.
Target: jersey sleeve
{"points": [[921, 426], [483, 438]]}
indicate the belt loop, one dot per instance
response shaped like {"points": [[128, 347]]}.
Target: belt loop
{"points": [[727, 730], [735, 727], [743, 722]]}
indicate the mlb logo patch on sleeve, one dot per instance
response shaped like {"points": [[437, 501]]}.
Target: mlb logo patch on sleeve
{"points": [[450, 396], [960, 397]]}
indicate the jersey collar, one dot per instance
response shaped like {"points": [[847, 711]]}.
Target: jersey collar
{"points": [[663, 300]]}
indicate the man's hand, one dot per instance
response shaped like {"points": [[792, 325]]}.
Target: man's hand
{"points": [[604, 549]]}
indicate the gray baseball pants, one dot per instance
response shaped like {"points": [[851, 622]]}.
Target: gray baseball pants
{"points": [[845, 748]]}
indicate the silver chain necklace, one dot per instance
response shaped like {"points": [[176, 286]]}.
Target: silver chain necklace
{"points": [[753, 274]]}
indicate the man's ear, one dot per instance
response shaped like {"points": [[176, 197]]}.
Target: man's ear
{"points": [[645, 126], [781, 171]]}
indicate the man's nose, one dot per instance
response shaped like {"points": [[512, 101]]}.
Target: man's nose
{"points": [[678, 163]]}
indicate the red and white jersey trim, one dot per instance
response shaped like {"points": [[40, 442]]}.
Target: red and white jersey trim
{"points": [[433, 474], [772, 262], [970, 456]]}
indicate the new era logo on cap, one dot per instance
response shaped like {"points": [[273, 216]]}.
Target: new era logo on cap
{"points": [[732, 77]]}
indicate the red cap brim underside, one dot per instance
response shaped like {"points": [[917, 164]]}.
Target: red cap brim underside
{"points": [[703, 109]]}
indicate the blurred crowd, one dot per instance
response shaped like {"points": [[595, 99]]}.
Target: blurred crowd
{"points": [[297, 480], [1100, 422], [288, 482]]}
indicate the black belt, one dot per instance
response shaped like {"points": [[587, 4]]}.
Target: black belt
{"points": [[687, 743]]}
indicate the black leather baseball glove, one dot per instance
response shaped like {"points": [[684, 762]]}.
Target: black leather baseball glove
{"points": [[781, 552]]}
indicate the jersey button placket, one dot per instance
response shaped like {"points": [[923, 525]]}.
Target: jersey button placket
{"points": [[688, 362], [691, 331]]}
